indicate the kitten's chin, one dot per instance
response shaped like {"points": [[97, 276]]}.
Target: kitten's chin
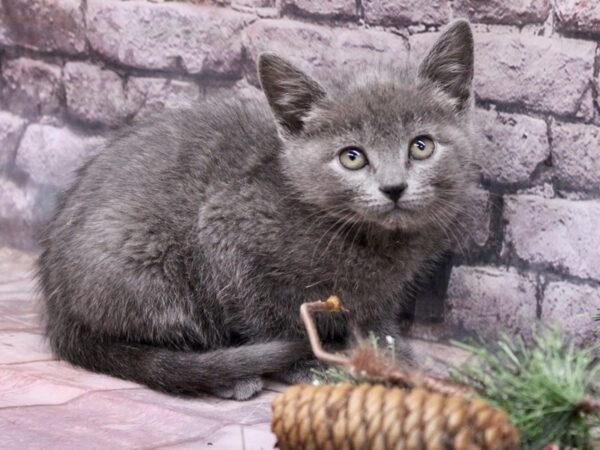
{"points": [[396, 218]]}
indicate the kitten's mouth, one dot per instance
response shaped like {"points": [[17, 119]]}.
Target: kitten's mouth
{"points": [[391, 214], [393, 209]]}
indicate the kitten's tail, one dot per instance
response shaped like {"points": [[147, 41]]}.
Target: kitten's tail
{"points": [[183, 372]]}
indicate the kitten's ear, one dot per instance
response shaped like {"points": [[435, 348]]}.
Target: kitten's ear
{"points": [[449, 63], [290, 92]]}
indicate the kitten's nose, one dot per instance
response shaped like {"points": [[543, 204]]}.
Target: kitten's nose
{"points": [[393, 192]]}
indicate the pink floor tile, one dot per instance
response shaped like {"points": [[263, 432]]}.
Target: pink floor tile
{"points": [[25, 389], [50, 383], [15, 265], [48, 404], [249, 412], [19, 315], [248, 437], [22, 346], [99, 420]]}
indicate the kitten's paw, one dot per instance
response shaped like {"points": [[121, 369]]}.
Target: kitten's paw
{"points": [[241, 389], [245, 389], [298, 374]]}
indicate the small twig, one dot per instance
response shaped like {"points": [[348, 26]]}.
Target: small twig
{"points": [[410, 378], [332, 304]]}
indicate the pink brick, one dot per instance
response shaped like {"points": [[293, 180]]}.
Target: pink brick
{"points": [[510, 12], [95, 95], [475, 229], [5, 38], [32, 87], [406, 12], [310, 46], [46, 25], [541, 73], [254, 3], [558, 233], [484, 300], [11, 128], [514, 146], [420, 44], [50, 155], [546, 74], [576, 154], [572, 306], [149, 95], [167, 36], [100, 96], [578, 16], [332, 8]]}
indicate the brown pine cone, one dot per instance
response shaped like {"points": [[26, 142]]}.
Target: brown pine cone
{"points": [[346, 416]]}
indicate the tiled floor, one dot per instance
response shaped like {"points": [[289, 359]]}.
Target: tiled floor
{"points": [[48, 404]]}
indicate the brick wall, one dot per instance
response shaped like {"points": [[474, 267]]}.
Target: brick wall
{"points": [[73, 69]]}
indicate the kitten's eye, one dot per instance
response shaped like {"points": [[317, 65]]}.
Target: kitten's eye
{"points": [[353, 158], [421, 147]]}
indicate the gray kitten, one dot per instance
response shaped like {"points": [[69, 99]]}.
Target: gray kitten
{"points": [[182, 252]]}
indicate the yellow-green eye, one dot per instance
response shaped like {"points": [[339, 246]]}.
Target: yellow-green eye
{"points": [[421, 147], [353, 158]]}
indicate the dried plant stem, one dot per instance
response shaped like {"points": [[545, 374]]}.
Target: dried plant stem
{"points": [[589, 405], [407, 377], [332, 304]]}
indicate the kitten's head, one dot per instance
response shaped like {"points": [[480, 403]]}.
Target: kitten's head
{"points": [[390, 147]]}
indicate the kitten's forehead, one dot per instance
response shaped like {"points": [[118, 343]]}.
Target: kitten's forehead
{"points": [[384, 102]]}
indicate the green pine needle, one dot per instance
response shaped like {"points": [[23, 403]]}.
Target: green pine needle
{"points": [[538, 386]]}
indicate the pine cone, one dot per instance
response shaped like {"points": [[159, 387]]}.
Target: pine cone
{"points": [[347, 416]]}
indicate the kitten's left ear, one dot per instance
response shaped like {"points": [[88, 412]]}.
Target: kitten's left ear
{"points": [[449, 63], [290, 92]]}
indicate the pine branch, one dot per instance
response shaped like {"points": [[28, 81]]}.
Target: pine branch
{"points": [[365, 363], [545, 387]]}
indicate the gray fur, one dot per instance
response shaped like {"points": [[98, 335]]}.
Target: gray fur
{"points": [[180, 256]]}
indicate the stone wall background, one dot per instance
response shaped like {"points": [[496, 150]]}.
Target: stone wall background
{"points": [[71, 70]]}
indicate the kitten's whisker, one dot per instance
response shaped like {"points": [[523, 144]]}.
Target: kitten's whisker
{"points": [[338, 221], [456, 238], [342, 213], [437, 221], [459, 211], [338, 232], [323, 215]]}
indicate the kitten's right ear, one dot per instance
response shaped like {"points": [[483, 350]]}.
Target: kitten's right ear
{"points": [[290, 92], [449, 63]]}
